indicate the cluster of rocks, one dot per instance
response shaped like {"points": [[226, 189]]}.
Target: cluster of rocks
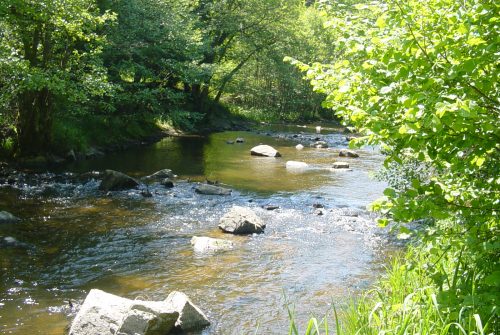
{"points": [[106, 314], [268, 151]]}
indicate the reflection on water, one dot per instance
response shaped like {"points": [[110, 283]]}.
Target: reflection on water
{"points": [[134, 246]]}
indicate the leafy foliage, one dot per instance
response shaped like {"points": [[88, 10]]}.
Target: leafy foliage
{"points": [[420, 80]]}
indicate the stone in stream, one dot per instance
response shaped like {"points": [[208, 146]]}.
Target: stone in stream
{"points": [[348, 153], [190, 316], [319, 144], [104, 313], [270, 207], [240, 140], [6, 217], [299, 146], [167, 183], [294, 165], [229, 142], [212, 190], [159, 175], [93, 153], [146, 193], [206, 244], [264, 150], [241, 220], [116, 181], [107, 314], [340, 165], [11, 242]]}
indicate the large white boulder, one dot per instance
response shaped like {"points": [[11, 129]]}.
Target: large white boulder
{"points": [[207, 244], [299, 146], [104, 313], [264, 150], [241, 220], [190, 316]]}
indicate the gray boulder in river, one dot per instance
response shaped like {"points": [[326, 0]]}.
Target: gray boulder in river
{"points": [[190, 316], [241, 220], [264, 150], [212, 190], [6, 217], [107, 314], [348, 153], [160, 175], [115, 181]]}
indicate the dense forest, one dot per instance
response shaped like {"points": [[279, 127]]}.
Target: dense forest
{"points": [[72, 70], [419, 79]]}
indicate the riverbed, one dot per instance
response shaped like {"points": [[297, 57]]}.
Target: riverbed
{"points": [[319, 248]]}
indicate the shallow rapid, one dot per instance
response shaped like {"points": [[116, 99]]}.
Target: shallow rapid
{"points": [[319, 246]]}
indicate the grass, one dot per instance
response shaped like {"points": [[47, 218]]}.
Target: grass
{"points": [[426, 291]]}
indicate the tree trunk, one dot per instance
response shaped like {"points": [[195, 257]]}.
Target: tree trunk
{"points": [[35, 122]]}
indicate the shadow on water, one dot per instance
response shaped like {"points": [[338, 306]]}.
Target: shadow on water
{"points": [[79, 238]]}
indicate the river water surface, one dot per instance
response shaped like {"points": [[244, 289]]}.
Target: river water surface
{"points": [[74, 238]]}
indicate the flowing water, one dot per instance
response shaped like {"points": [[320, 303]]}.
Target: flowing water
{"points": [[73, 238]]}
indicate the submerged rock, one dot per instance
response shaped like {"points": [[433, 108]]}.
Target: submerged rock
{"points": [[11, 242], [294, 165], [204, 244], [6, 217], [270, 207], [190, 316], [115, 181], [348, 153], [340, 165], [107, 314], [264, 150], [212, 190], [241, 220]]}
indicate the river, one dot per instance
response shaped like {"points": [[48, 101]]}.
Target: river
{"points": [[75, 238]]}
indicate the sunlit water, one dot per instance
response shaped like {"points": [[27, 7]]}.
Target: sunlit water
{"points": [[76, 238]]}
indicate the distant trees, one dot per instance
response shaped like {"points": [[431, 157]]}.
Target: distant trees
{"points": [[50, 59], [171, 58]]}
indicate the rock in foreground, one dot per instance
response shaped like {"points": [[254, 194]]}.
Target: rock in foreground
{"points": [[241, 220], [190, 316], [264, 150], [204, 244], [107, 314], [116, 181], [103, 313], [212, 190]]}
